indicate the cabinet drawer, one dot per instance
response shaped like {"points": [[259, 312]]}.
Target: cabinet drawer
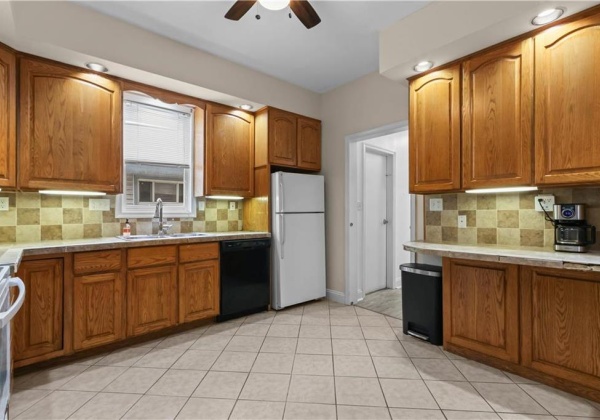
{"points": [[95, 261], [150, 256], [198, 252]]}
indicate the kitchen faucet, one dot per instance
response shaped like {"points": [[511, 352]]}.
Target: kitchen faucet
{"points": [[163, 228]]}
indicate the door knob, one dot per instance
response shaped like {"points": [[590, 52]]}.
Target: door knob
{"points": [[385, 221]]}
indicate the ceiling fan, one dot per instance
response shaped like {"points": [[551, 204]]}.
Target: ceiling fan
{"points": [[301, 8]]}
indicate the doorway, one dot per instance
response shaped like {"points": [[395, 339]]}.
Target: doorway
{"points": [[377, 215], [371, 243]]}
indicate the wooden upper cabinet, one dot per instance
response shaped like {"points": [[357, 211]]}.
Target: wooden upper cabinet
{"points": [[8, 117], [497, 117], [38, 326], [229, 151], [560, 318], [434, 135], [282, 138], [481, 307], [567, 115], [309, 144], [70, 128]]}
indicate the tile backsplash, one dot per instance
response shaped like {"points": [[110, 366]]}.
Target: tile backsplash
{"points": [[503, 219], [33, 217]]}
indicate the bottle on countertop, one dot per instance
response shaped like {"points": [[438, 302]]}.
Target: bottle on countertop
{"points": [[127, 228]]}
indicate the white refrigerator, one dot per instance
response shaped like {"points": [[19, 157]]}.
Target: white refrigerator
{"points": [[298, 243]]}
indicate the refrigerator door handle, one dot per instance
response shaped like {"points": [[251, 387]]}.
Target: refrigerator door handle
{"points": [[281, 193], [282, 235]]}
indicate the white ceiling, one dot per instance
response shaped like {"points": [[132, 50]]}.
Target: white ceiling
{"points": [[343, 47]]}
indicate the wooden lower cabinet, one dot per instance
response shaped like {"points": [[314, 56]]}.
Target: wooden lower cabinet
{"points": [[38, 326], [98, 312], [481, 307], [151, 299], [560, 323], [198, 290]]}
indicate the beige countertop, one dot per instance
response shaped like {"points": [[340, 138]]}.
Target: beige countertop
{"points": [[12, 253], [545, 257]]}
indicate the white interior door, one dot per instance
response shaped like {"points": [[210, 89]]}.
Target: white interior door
{"points": [[376, 221]]}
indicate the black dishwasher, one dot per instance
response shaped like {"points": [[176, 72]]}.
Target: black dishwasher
{"points": [[245, 277]]}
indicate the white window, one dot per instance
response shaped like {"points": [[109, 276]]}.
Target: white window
{"points": [[158, 143]]}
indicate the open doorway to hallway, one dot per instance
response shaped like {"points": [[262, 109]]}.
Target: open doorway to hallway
{"points": [[379, 214]]}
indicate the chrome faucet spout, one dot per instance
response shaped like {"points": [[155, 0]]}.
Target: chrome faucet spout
{"points": [[158, 214]]}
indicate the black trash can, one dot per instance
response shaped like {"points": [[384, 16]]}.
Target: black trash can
{"points": [[422, 302]]}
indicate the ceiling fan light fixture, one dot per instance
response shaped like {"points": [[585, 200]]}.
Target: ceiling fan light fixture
{"points": [[547, 16], [423, 66], [274, 4]]}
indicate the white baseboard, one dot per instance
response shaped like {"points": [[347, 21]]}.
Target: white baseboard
{"points": [[336, 296], [398, 282]]}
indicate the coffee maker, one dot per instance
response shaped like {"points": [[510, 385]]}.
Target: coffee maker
{"points": [[571, 231]]}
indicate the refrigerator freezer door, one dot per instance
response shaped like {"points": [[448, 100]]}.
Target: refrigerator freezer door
{"points": [[298, 258], [298, 193]]}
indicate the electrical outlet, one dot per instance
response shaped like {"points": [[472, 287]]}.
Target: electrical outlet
{"points": [[3, 203], [462, 221], [232, 205], [547, 202], [201, 205], [436, 204], [100, 204]]}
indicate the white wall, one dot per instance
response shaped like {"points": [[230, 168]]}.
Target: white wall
{"points": [[398, 143], [369, 102]]}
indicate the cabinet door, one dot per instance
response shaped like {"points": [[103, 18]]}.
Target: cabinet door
{"points": [[567, 115], [309, 144], [38, 326], [198, 290], [481, 307], [497, 117], [151, 299], [98, 310], [282, 138], [8, 118], [434, 135], [70, 129], [560, 323], [229, 151]]}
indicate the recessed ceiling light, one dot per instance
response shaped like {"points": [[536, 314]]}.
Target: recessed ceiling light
{"points": [[96, 67], [548, 16], [423, 65], [246, 107]]}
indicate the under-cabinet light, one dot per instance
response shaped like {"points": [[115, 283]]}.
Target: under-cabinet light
{"points": [[69, 192], [500, 190], [224, 197], [547, 16]]}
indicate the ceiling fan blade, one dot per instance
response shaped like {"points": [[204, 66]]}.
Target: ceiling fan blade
{"points": [[239, 9], [305, 13]]}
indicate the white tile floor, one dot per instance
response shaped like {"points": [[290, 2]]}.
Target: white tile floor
{"points": [[319, 361]]}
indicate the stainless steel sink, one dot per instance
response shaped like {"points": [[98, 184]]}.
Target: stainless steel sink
{"points": [[188, 235], [140, 237]]}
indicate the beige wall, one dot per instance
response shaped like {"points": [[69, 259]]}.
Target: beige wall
{"points": [[369, 102]]}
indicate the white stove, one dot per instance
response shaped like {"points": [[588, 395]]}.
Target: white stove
{"points": [[7, 312]]}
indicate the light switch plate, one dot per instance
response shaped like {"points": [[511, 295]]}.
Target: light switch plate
{"points": [[547, 202], [462, 221], [436, 204], [201, 205], [232, 205], [3, 203], [100, 204]]}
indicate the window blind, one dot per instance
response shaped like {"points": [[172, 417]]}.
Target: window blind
{"points": [[156, 135]]}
